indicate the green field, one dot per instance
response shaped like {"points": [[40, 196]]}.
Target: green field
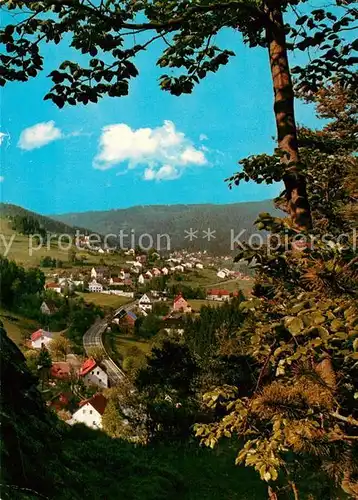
{"points": [[20, 328], [197, 304], [104, 300], [125, 342], [196, 278], [207, 279], [17, 327], [232, 285], [20, 250], [118, 346]]}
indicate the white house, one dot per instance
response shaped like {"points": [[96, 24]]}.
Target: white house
{"points": [[217, 294], [141, 279], [94, 286], [198, 265], [39, 338], [90, 412], [145, 302], [93, 374], [148, 275], [165, 271], [179, 268], [56, 287], [221, 274], [48, 308]]}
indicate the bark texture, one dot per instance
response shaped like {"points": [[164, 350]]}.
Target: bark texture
{"points": [[295, 183]]}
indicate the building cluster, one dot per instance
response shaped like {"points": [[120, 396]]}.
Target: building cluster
{"points": [[90, 372], [139, 270], [229, 274]]}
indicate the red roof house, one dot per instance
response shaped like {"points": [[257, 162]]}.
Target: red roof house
{"points": [[218, 294], [93, 374], [90, 412], [40, 337], [180, 304], [53, 286], [87, 366], [60, 370], [98, 401]]}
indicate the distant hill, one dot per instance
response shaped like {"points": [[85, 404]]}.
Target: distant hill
{"points": [[174, 220], [48, 223], [19, 244]]}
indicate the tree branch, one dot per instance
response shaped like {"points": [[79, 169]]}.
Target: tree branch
{"points": [[347, 420], [170, 23]]}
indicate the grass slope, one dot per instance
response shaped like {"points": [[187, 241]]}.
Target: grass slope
{"points": [[49, 224], [17, 326], [20, 247], [104, 300], [20, 250]]}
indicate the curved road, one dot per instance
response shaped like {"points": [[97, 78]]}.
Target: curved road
{"points": [[93, 338]]}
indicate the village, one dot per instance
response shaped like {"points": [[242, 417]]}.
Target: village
{"points": [[137, 272], [75, 384], [93, 325], [87, 376]]}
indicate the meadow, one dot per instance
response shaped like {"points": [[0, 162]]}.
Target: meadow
{"points": [[105, 300]]}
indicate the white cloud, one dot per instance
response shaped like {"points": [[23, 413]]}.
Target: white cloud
{"points": [[203, 137], [192, 155], [165, 173], [163, 151], [4, 136], [2, 178], [39, 135]]}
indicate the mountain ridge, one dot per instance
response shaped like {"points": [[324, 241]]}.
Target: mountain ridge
{"points": [[157, 205], [226, 220], [48, 223]]}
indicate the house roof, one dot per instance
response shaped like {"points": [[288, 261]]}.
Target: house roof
{"points": [[117, 280], [87, 366], [50, 305], [178, 297], [131, 315], [98, 401], [146, 296], [53, 285], [40, 333], [60, 370], [217, 291]]}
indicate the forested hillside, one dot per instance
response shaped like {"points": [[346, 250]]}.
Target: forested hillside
{"points": [[48, 224], [175, 220]]}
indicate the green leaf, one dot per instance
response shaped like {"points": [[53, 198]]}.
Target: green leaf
{"points": [[337, 325], [317, 318], [295, 325]]}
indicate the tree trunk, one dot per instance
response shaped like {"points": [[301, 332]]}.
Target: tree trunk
{"points": [[295, 183]]}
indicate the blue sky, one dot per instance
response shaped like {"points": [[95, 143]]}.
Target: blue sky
{"points": [[99, 157]]}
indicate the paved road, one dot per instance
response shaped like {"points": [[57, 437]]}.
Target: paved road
{"points": [[93, 338]]}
